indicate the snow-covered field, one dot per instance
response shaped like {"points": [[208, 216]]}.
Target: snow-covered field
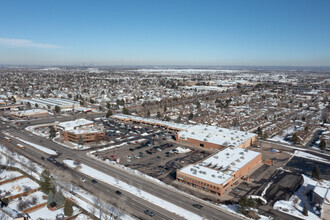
{"points": [[16, 160], [297, 202], [135, 191]]}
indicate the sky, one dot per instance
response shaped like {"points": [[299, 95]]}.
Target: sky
{"points": [[165, 32]]}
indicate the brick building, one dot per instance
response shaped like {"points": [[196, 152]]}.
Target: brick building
{"points": [[220, 171]]}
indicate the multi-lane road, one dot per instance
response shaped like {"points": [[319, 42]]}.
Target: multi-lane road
{"points": [[132, 204]]}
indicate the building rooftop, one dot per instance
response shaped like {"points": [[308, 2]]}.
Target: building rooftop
{"points": [[219, 167], [70, 125]]}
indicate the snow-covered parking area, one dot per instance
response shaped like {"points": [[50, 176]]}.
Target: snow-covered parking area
{"points": [[133, 190]]}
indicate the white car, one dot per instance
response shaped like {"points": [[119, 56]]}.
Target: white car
{"points": [[82, 179]]}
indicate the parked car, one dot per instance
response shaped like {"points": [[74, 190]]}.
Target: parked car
{"points": [[118, 192], [94, 181], [82, 179], [198, 206], [149, 212]]}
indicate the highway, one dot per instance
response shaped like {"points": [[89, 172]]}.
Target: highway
{"points": [[130, 203]]}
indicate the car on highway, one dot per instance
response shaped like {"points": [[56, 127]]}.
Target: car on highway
{"points": [[118, 192], [94, 181], [149, 212], [198, 206]]}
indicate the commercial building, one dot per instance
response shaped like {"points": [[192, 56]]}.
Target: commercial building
{"points": [[220, 171], [70, 125], [73, 130], [88, 135], [50, 103], [198, 135], [32, 113]]}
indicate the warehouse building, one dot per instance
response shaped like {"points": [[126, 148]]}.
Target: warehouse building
{"points": [[220, 171], [50, 103], [32, 113]]}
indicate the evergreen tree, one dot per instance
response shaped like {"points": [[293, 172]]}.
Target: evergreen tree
{"points": [[45, 182], [295, 138], [57, 109], [50, 198], [191, 116], [100, 108], [148, 114], [305, 211], [323, 144], [126, 111], [52, 132], [165, 108], [59, 198], [158, 115], [108, 105], [259, 131], [316, 174], [109, 113], [80, 140], [68, 211]]}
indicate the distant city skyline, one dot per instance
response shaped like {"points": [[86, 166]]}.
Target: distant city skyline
{"points": [[147, 32]]}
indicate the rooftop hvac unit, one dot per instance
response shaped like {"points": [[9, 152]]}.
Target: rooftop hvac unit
{"points": [[233, 163], [216, 157], [192, 132], [242, 153], [245, 150], [232, 138], [213, 175], [227, 154], [238, 160], [205, 139], [242, 157], [204, 172], [200, 171]]}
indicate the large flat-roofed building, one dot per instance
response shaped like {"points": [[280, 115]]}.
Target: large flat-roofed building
{"points": [[199, 135], [73, 130], [220, 171], [50, 103], [30, 113], [216, 137]]}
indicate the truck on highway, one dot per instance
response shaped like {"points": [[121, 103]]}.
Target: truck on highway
{"points": [[7, 139], [20, 146]]}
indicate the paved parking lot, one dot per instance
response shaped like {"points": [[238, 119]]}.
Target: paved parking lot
{"points": [[149, 150]]}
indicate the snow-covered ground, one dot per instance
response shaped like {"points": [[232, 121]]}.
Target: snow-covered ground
{"points": [[18, 186], [297, 202], [131, 189], [298, 153], [9, 158], [6, 175]]}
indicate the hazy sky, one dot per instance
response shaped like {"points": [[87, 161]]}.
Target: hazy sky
{"points": [[139, 32]]}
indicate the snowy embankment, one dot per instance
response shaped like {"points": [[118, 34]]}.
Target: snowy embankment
{"points": [[297, 202], [134, 190], [41, 148]]}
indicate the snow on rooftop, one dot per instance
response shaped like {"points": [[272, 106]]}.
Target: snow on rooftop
{"points": [[219, 167], [70, 125], [216, 135]]}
